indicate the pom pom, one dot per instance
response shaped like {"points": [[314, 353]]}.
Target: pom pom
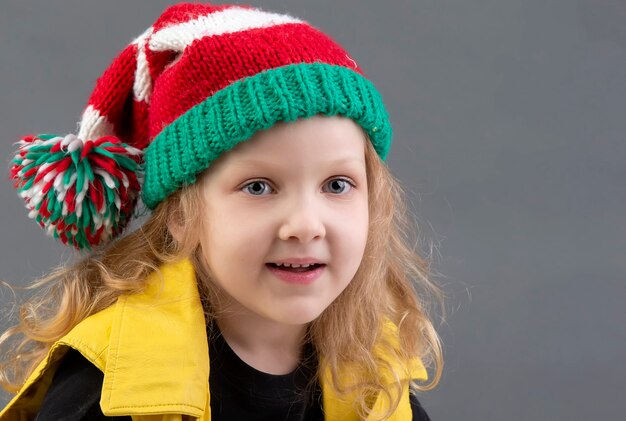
{"points": [[81, 192]]}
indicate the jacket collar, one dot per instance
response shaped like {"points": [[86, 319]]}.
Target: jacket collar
{"points": [[165, 325]]}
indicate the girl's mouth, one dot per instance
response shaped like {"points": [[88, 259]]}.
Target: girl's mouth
{"points": [[295, 268], [297, 274]]}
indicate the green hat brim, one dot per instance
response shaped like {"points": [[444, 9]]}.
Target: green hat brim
{"points": [[188, 145]]}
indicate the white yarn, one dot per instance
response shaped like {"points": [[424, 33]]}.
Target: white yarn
{"points": [[178, 36]]}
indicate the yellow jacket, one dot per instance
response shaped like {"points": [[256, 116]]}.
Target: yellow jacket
{"points": [[152, 348]]}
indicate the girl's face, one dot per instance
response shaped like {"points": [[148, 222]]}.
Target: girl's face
{"points": [[295, 193]]}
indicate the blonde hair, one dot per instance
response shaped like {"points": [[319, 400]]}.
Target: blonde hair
{"points": [[392, 284]]}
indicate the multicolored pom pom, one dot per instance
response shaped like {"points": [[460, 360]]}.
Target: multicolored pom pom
{"points": [[81, 192]]}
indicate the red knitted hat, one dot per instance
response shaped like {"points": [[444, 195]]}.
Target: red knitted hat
{"points": [[200, 80]]}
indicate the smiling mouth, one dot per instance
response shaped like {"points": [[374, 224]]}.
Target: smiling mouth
{"points": [[295, 268]]}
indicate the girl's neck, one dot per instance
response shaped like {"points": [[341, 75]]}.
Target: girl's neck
{"points": [[268, 346]]}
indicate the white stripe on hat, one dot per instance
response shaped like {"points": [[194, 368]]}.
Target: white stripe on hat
{"points": [[93, 125], [177, 37], [142, 85]]}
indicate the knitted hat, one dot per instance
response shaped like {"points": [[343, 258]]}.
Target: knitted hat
{"points": [[200, 80]]}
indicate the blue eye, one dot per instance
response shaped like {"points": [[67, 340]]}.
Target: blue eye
{"points": [[339, 186], [257, 188], [335, 186]]}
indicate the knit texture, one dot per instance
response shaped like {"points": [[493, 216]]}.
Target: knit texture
{"points": [[200, 80], [188, 145]]}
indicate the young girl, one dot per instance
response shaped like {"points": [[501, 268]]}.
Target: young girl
{"points": [[273, 279]]}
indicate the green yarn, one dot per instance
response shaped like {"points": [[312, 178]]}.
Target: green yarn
{"points": [[188, 145]]}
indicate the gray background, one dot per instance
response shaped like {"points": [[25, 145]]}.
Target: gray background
{"points": [[509, 121]]}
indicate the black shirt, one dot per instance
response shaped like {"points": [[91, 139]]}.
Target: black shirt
{"points": [[238, 391], [241, 392]]}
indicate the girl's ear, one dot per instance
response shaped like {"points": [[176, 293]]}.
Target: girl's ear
{"points": [[175, 229]]}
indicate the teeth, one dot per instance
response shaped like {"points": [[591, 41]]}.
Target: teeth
{"points": [[289, 265]]}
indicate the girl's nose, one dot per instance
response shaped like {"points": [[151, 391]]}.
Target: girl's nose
{"points": [[302, 222]]}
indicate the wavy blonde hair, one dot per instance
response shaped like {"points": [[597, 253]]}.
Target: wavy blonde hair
{"points": [[393, 283]]}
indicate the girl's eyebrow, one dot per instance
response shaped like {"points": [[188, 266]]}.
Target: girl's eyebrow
{"points": [[333, 162]]}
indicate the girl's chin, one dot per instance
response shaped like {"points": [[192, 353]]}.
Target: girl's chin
{"points": [[297, 317]]}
